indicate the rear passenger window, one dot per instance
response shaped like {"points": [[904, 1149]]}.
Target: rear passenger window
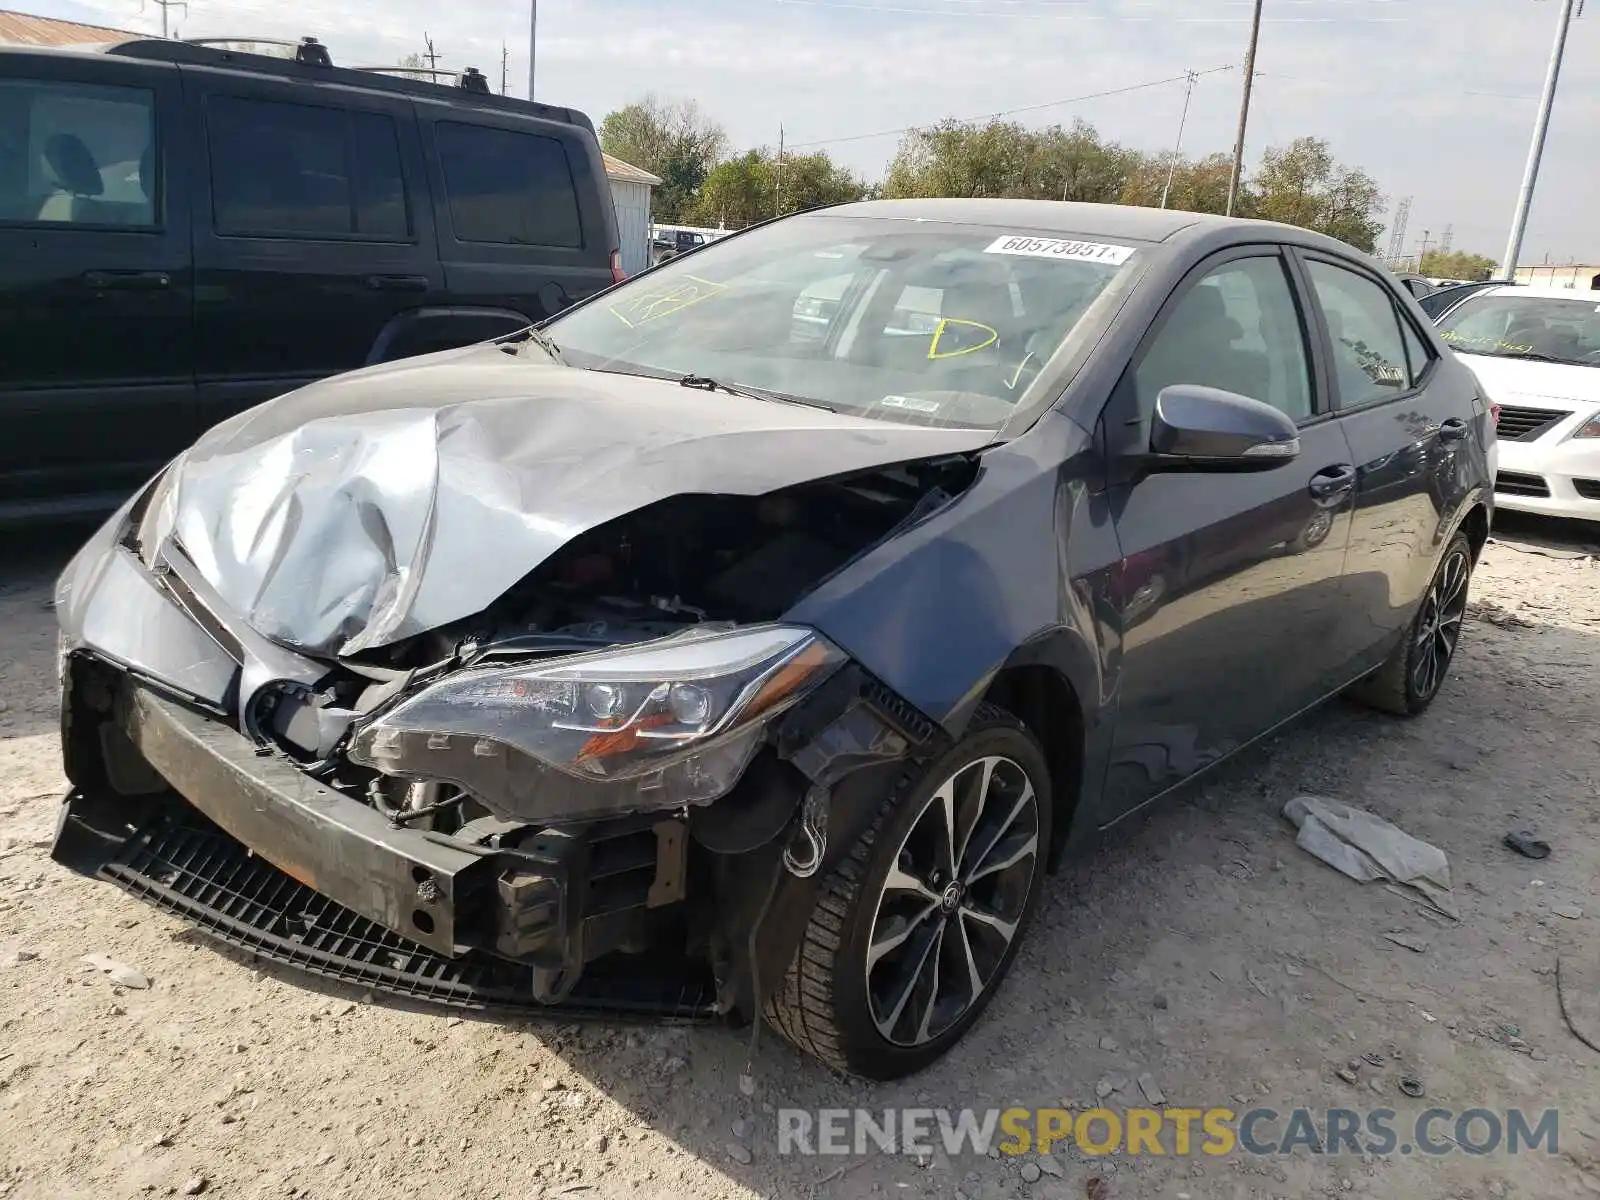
{"points": [[507, 187], [1369, 353], [76, 154], [298, 170]]}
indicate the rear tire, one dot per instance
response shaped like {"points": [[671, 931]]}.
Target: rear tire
{"points": [[1407, 683], [910, 939]]}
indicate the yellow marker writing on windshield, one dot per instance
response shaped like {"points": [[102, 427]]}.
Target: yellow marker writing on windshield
{"points": [[664, 302], [945, 323]]}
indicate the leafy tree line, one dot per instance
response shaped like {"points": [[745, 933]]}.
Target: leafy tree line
{"points": [[1300, 184], [1457, 264]]}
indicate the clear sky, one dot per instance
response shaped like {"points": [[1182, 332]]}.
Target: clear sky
{"points": [[1435, 98]]}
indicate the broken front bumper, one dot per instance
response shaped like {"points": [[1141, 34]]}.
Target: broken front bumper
{"points": [[263, 856]]}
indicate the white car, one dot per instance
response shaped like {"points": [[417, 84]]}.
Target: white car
{"points": [[1536, 351]]}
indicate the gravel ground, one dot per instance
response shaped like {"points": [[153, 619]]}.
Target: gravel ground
{"points": [[1200, 947]]}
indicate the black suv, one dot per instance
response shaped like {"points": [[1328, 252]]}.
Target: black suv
{"points": [[187, 230]]}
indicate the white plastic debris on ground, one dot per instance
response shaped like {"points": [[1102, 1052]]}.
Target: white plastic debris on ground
{"points": [[1367, 848]]}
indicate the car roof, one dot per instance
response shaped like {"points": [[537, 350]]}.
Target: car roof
{"points": [[1079, 219], [1541, 293]]}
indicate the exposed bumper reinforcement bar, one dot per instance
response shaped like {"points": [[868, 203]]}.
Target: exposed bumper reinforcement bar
{"points": [[183, 863], [334, 845]]}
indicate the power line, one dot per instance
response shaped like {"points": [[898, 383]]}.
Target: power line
{"points": [[1166, 17], [1011, 112]]}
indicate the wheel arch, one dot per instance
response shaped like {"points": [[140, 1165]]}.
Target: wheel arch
{"points": [[1476, 526], [1043, 698], [422, 330]]}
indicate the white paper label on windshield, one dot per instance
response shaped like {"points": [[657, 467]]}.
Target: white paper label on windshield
{"points": [[911, 403], [1038, 247]]}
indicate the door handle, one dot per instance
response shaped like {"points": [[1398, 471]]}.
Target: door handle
{"points": [[1453, 430], [1332, 483], [398, 283], [127, 281]]}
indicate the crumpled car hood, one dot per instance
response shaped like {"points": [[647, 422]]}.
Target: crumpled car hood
{"points": [[373, 506]]}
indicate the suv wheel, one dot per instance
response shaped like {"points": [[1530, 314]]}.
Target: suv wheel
{"points": [[917, 926], [1410, 679]]}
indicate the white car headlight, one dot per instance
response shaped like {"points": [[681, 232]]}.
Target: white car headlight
{"points": [[656, 725]]}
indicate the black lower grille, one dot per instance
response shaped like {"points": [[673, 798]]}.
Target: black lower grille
{"points": [[1589, 489], [1518, 483], [1525, 424], [183, 863]]}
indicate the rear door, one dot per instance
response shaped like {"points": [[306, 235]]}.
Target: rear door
{"points": [[312, 233], [521, 224], [96, 369], [1408, 425], [1230, 588]]}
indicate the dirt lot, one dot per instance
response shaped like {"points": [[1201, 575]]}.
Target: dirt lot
{"points": [[1201, 947]]}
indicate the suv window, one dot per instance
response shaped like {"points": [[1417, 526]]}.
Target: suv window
{"points": [[299, 170], [1237, 329], [507, 187], [1369, 355], [77, 154]]}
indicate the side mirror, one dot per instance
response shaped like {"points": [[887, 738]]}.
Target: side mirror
{"points": [[1207, 428]]}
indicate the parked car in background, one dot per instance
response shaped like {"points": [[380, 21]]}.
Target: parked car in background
{"points": [[686, 655], [1439, 302], [1536, 350], [187, 230]]}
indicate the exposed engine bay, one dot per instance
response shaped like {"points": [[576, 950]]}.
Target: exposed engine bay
{"points": [[573, 870], [690, 560]]}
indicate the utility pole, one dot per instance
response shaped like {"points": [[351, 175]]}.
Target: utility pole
{"points": [[1423, 253], [505, 61], [1244, 108], [533, 41], [1177, 146], [1530, 175], [777, 179], [164, 5], [431, 55]]}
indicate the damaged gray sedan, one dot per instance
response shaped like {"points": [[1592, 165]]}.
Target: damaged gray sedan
{"points": [[750, 639]]}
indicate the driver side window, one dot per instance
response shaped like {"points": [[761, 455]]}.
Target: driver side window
{"points": [[1237, 329]]}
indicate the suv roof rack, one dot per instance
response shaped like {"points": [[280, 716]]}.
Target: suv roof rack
{"points": [[311, 56], [470, 80], [307, 51]]}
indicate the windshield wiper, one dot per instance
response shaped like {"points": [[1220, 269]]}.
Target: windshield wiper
{"points": [[542, 340], [704, 383], [1531, 356]]}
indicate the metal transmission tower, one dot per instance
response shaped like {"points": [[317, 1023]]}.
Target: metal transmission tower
{"points": [[1448, 239], [1397, 235]]}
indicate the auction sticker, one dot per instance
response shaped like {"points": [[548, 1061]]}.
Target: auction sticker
{"points": [[1038, 247]]}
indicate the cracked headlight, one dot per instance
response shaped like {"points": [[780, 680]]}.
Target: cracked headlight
{"points": [[649, 726]]}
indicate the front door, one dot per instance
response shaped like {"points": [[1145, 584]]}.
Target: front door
{"points": [[96, 367], [313, 234], [1230, 583]]}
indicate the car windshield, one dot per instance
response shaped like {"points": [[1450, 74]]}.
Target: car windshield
{"points": [[909, 321], [1545, 328]]}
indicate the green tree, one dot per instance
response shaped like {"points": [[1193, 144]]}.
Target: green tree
{"points": [[1301, 184], [1458, 264], [754, 186], [672, 139]]}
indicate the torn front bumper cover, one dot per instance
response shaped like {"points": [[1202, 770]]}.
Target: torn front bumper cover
{"points": [[264, 857]]}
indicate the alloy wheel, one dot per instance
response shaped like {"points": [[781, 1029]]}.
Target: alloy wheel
{"points": [[952, 901], [1438, 627]]}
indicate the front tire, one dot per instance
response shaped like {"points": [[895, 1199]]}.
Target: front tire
{"points": [[1407, 683], [917, 926]]}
